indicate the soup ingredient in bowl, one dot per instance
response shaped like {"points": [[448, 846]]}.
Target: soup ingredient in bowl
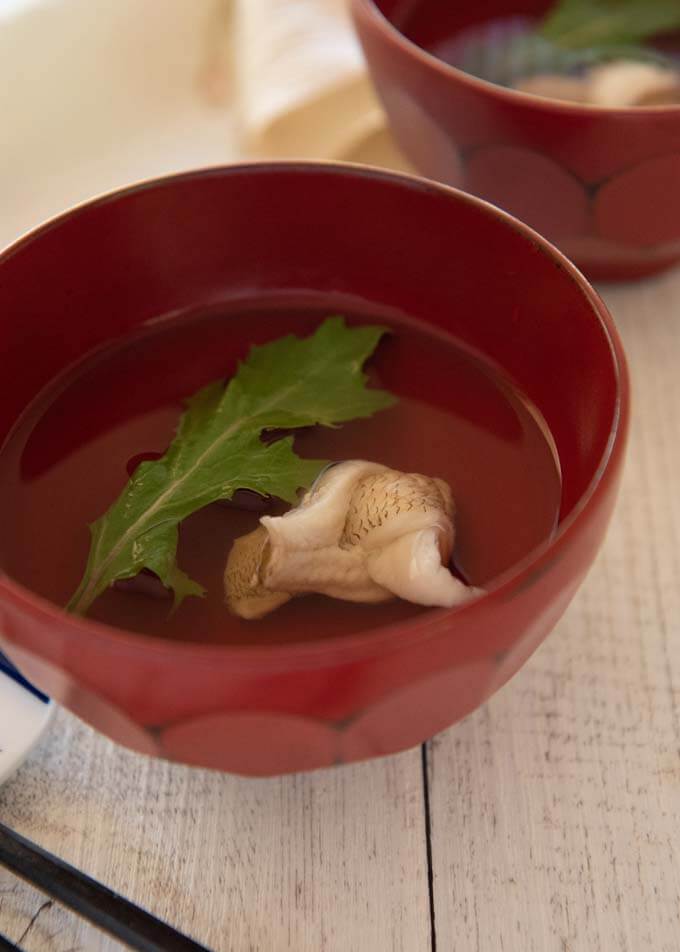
{"points": [[621, 84], [586, 51], [598, 24], [459, 417], [218, 449], [363, 533], [615, 85]]}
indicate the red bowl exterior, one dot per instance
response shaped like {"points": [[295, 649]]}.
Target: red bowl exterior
{"points": [[602, 184], [428, 250]]}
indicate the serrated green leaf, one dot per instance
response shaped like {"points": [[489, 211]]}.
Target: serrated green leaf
{"points": [[578, 24], [286, 384]]}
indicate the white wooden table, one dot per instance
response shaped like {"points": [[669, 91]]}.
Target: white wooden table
{"points": [[549, 821]]}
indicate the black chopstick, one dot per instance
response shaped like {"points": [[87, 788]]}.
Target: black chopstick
{"points": [[111, 912], [7, 946]]}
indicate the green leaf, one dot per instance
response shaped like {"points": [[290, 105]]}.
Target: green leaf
{"points": [[285, 384], [577, 24]]}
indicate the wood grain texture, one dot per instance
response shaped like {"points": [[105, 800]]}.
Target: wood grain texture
{"points": [[320, 862], [555, 809]]}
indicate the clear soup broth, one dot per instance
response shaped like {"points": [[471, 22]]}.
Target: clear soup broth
{"points": [[458, 417]]}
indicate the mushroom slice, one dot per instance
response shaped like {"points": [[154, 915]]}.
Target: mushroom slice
{"points": [[363, 533]]}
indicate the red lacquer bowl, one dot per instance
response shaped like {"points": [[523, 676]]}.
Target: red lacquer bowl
{"points": [[602, 184], [382, 241]]}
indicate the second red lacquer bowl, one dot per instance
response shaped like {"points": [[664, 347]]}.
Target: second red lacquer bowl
{"points": [[602, 184]]}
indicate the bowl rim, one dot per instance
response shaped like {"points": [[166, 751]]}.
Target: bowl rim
{"points": [[368, 641], [505, 93]]}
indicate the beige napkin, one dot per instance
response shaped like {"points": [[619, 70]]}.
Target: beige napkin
{"points": [[301, 86]]}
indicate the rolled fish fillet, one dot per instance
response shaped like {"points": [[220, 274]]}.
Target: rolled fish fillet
{"points": [[363, 533]]}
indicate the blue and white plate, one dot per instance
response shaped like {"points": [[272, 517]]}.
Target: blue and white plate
{"points": [[24, 715]]}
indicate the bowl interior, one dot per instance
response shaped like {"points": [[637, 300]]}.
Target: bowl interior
{"points": [[373, 241], [430, 23], [427, 22]]}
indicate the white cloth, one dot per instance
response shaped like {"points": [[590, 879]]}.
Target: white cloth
{"points": [[301, 86]]}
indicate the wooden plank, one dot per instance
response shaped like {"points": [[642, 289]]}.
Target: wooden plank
{"points": [[330, 861], [556, 808]]}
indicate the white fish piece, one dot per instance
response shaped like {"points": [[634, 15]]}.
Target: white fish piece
{"points": [[616, 85], [413, 568], [554, 86], [625, 83], [363, 533]]}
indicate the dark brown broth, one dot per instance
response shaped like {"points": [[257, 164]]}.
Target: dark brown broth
{"points": [[458, 418]]}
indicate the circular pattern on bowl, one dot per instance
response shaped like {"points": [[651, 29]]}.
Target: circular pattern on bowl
{"points": [[84, 703], [641, 207], [252, 743], [423, 140], [402, 719], [530, 186]]}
